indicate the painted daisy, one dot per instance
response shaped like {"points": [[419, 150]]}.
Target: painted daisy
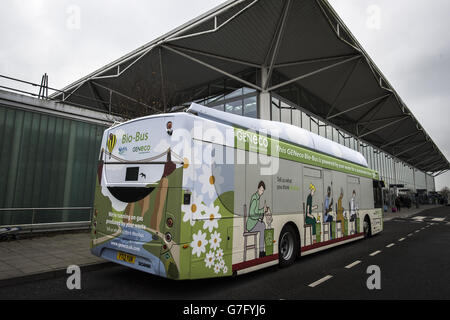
{"points": [[222, 264], [216, 268], [211, 215], [193, 211], [225, 270], [198, 243], [209, 180], [219, 254], [209, 260], [215, 240]]}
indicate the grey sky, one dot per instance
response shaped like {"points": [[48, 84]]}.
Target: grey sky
{"points": [[407, 39]]}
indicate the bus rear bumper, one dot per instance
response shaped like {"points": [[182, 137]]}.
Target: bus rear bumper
{"points": [[131, 254], [152, 266]]}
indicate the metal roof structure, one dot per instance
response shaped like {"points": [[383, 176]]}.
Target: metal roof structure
{"points": [[308, 57]]}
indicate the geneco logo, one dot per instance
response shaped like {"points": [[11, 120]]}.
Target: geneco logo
{"points": [[122, 150], [254, 140], [112, 140]]}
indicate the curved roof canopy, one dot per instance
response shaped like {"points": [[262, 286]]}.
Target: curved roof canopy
{"points": [[305, 51]]}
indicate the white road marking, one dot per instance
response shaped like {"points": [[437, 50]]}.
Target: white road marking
{"points": [[353, 264], [390, 245], [417, 231], [375, 253], [438, 219], [401, 239], [314, 284], [419, 218], [409, 235]]}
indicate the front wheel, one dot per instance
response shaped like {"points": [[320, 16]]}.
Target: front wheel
{"points": [[288, 246]]}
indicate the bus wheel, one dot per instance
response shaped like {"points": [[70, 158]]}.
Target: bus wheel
{"points": [[366, 227], [288, 246]]}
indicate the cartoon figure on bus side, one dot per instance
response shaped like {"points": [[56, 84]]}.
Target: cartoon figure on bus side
{"points": [[353, 208], [340, 212], [327, 217], [310, 219], [256, 214]]}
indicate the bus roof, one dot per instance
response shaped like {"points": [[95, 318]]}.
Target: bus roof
{"points": [[284, 131]]}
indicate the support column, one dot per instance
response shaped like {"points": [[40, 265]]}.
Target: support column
{"points": [[264, 100]]}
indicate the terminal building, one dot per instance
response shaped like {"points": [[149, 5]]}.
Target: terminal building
{"points": [[292, 61]]}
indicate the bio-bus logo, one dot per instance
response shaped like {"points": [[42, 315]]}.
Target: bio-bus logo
{"points": [[128, 138], [111, 142]]}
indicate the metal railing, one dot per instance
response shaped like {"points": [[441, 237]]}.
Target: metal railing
{"points": [[45, 226]]}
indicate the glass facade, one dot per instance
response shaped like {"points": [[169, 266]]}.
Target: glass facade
{"points": [[391, 171], [244, 102]]}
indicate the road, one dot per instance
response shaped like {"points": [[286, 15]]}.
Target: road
{"points": [[413, 255]]}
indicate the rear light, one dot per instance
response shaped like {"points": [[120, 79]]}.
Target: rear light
{"points": [[169, 222], [168, 237], [99, 171], [169, 128]]}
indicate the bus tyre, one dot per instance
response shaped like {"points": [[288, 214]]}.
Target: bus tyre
{"points": [[367, 228], [288, 246]]}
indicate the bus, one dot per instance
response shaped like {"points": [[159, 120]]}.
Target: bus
{"points": [[204, 193]]}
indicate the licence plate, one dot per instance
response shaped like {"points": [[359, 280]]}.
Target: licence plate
{"points": [[126, 257]]}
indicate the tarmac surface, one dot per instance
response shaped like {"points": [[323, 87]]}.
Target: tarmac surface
{"points": [[411, 253]]}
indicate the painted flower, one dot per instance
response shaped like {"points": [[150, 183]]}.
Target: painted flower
{"points": [[211, 217], [209, 260], [193, 211], [209, 180], [219, 254], [198, 243], [221, 264], [216, 268], [215, 240], [225, 270]]}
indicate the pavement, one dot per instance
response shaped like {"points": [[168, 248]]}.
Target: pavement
{"points": [[48, 256], [405, 212], [44, 256]]}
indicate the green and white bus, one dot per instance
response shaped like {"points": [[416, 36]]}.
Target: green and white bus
{"points": [[204, 193]]}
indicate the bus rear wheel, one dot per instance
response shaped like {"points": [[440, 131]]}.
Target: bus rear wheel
{"points": [[366, 228], [288, 246]]}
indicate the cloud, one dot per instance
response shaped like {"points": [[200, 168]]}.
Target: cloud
{"points": [[410, 46]]}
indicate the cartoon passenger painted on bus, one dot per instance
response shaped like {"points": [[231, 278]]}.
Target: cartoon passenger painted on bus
{"points": [[310, 219], [340, 211], [353, 209], [255, 218], [327, 217]]}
